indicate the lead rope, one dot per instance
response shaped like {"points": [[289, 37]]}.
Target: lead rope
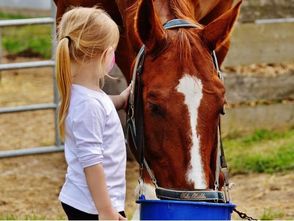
{"points": [[243, 215]]}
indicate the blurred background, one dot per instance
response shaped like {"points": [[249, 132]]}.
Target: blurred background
{"points": [[258, 127]]}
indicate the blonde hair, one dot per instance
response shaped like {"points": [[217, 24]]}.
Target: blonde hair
{"points": [[83, 34]]}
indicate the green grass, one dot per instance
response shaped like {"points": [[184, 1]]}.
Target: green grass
{"points": [[28, 41], [29, 217], [26, 217], [261, 152], [4, 15], [270, 214]]}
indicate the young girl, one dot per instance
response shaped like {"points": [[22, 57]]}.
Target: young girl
{"points": [[93, 137]]}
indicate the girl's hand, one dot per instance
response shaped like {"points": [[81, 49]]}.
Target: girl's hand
{"points": [[110, 215], [121, 217], [125, 96]]}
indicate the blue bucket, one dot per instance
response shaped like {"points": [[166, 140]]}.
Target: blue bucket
{"points": [[184, 210]]}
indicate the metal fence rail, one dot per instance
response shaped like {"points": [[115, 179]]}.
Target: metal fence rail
{"points": [[34, 150], [33, 107], [26, 21], [24, 65], [34, 64], [274, 20]]}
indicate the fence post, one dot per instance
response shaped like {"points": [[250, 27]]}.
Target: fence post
{"points": [[1, 53], [53, 33]]}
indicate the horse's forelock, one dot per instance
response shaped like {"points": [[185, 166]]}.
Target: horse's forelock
{"points": [[192, 52], [183, 9]]}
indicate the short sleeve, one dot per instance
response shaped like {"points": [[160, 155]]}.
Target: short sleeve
{"points": [[88, 127]]}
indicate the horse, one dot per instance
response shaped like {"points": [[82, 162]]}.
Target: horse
{"points": [[182, 95]]}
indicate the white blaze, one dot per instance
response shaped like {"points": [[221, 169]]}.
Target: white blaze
{"points": [[191, 88]]}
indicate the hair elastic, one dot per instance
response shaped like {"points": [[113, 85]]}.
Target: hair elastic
{"points": [[68, 38]]}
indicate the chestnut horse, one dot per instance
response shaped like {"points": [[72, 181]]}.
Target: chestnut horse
{"points": [[181, 91]]}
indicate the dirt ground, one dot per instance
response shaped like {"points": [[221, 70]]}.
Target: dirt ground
{"points": [[30, 187]]}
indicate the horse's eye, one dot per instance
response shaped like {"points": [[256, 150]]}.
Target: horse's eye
{"points": [[156, 109]]}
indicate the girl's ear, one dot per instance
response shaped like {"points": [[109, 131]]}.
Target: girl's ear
{"points": [[218, 31], [109, 58], [148, 28]]}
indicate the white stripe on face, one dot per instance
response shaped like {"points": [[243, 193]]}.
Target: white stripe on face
{"points": [[191, 88]]}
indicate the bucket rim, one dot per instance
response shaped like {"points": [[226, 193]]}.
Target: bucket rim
{"points": [[140, 201]]}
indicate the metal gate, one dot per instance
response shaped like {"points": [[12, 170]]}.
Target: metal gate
{"points": [[34, 64]]}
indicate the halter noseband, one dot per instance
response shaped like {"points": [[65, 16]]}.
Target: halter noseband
{"points": [[135, 129]]}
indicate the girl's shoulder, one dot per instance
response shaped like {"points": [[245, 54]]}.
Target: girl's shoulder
{"points": [[87, 100]]}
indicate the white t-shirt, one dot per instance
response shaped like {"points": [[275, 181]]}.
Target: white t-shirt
{"points": [[93, 135]]}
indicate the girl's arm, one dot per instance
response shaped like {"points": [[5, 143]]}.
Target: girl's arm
{"points": [[118, 101], [97, 185], [88, 137], [121, 101]]}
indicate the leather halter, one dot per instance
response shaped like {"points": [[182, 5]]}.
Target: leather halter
{"points": [[135, 130]]}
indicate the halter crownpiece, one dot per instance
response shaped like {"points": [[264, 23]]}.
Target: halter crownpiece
{"points": [[135, 128], [180, 23]]}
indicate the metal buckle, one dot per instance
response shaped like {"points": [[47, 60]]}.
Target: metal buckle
{"points": [[131, 112], [216, 186]]}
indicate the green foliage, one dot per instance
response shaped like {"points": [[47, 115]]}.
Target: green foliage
{"points": [[261, 135], [26, 217], [261, 152], [29, 217], [4, 15], [28, 41], [269, 214]]}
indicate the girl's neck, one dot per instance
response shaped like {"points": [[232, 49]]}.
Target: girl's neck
{"points": [[86, 74]]}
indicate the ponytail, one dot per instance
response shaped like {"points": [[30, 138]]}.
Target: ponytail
{"points": [[83, 34], [64, 81]]}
